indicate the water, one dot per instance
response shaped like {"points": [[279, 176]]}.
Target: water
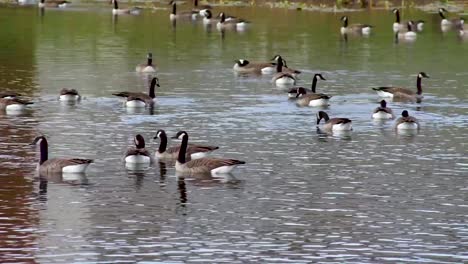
{"points": [[371, 197]]}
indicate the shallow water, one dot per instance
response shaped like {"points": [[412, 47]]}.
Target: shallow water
{"points": [[372, 196]]}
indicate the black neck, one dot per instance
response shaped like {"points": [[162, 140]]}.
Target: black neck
{"points": [[163, 143], [441, 14], [174, 8], [42, 1], [150, 62], [43, 146], [223, 18], [397, 14], [116, 5], [314, 83], [279, 65], [409, 27], [345, 22], [183, 149], [418, 85], [151, 89], [195, 3]]}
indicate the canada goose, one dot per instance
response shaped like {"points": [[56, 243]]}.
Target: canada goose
{"points": [[138, 154], [409, 35], [406, 122], [58, 165], [203, 165], [383, 112], [402, 92], [233, 23], [334, 124], [53, 3], [136, 99], [9, 95], [69, 95], [285, 68], [292, 93], [311, 99], [401, 26], [147, 67], [454, 22], [129, 11], [245, 66], [181, 15], [193, 151], [282, 78], [208, 17], [13, 104], [362, 29]]}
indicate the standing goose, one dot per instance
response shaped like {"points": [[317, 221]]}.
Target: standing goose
{"points": [[361, 29], [406, 122], [334, 124], [193, 151], [447, 23], [401, 26], [282, 78], [135, 99], [58, 165], [53, 3], [203, 165], [383, 112], [181, 15], [292, 93], [138, 154], [147, 67], [402, 92], [233, 23], [129, 11], [13, 104], [69, 95]]}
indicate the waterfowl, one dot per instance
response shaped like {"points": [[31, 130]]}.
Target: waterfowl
{"points": [[208, 17], [245, 66], [401, 26], [53, 3], [13, 104], [409, 35], [69, 95], [454, 22], [181, 15], [129, 11], [383, 112], [135, 99], [282, 78], [203, 165], [138, 154], [147, 67], [58, 165], [193, 151], [285, 69], [406, 122], [403, 92], [232, 23], [9, 95], [362, 29], [334, 124], [292, 93]]}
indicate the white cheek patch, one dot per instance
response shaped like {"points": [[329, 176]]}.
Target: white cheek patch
{"points": [[420, 75], [241, 61], [158, 135]]}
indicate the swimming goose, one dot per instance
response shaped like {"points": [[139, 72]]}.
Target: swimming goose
{"points": [[129, 11], [9, 95], [53, 3], [69, 95], [232, 23], [285, 69], [446, 23], [334, 124], [13, 104], [181, 15], [193, 151], [362, 29], [245, 66], [409, 35], [203, 165], [147, 67], [292, 93], [402, 92], [383, 112], [208, 18], [406, 122], [136, 99], [401, 26], [58, 165], [138, 154], [311, 99], [282, 78]]}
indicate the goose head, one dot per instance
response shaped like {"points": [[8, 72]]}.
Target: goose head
{"points": [[160, 133], [180, 135], [423, 75], [301, 91], [322, 115], [383, 104], [319, 76], [404, 113], [242, 62], [139, 141]]}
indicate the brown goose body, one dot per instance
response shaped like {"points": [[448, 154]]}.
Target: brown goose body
{"points": [[359, 29], [138, 154], [245, 66], [281, 77], [400, 92], [383, 112], [406, 122], [334, 124], [193, 151], [14, 103]]}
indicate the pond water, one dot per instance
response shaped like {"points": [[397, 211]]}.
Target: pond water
{"points": [[373, 196]]}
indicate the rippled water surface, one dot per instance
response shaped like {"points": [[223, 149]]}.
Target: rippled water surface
{"points": [[373, 196]]}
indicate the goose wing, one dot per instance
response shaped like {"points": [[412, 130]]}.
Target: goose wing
{"points": [[281, 75], [66, 91], [15, 100], [408, 119], [135, 151], [192, 148], [209, 164], [359, 26], [395, 90], [56, 165], [338, 120], [133, 96], [383, 109]]}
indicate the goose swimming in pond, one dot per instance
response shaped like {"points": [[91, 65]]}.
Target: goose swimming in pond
{"points": [[282, 78], [69, 95], [406, 122], [58, 165], [383, 112], [292, 93], [9, 103], [233, 23], [407, 36], [174, 15], [391, 91], [193, 151], [135, 99], [208, 18], [334, 124], [147, 67], [401, 26], [447, 23], [203, 165], [129, 11], [361, 29], [53, 3], [138, 154]]}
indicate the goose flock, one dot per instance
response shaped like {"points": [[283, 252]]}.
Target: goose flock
{"points": [[193, 159]]}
